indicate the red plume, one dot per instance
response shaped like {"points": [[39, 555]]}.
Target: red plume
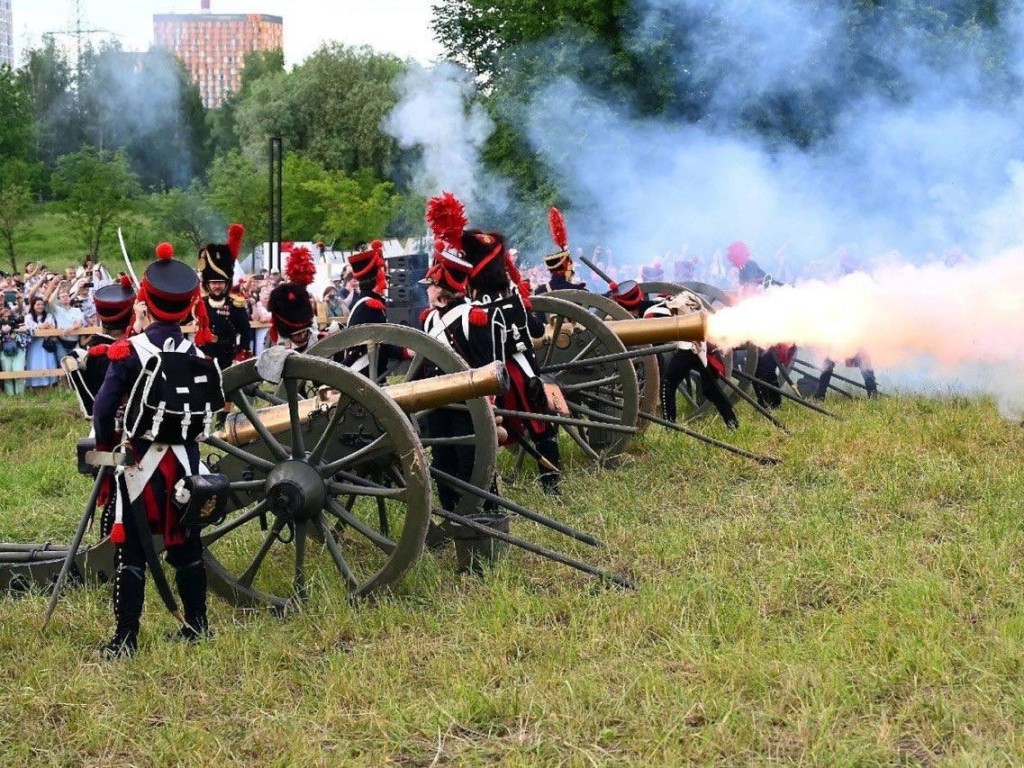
{"points": [[235, 234], [447, 218], [126, 282], [203, 334], [165, 251], [557, 224], [300, 269]]}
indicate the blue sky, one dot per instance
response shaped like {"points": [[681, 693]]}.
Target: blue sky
{"points": [[401, 27]]}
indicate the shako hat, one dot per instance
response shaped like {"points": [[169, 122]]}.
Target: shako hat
{"points": [[170, 291], [291, 309], [448, 271], [738, 254], [217, 260], [114, 303], [652, 273], [367, 265], [558, 262], [627, 294]]}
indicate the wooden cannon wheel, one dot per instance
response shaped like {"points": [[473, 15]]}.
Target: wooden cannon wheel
{"points": [[695, 405], [427, 352], [288, 484], [646, 367], [575, 335]]}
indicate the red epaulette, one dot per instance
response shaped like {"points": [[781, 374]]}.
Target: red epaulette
{"points": [[100, 350], [425, 314], [376, 304], [478, 317], [120, 350]]}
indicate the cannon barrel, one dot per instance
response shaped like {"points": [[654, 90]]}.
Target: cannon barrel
{"points": [[411, 396], [655, 330]]}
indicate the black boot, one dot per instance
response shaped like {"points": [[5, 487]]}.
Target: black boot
{"points": [[870, 384], [129, 596], [191, 583], [550, 480]]}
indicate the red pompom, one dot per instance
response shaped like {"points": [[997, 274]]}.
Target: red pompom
{"points": [[165, 251], [424, 315], [447, 219], [478, 317], [117, 533], [99, 350], [126, 282], [375, 304], [557, 224], [301, 269], [236, 232], [377, 245], [614, 286], [120, 350]]}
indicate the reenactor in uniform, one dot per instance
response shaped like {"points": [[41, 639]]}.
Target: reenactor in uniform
{"points": [[290, 305], [499, 325], [371, 270], [560, 264], [753, 278], [691, 356], [227, 309], [114, 305], [630, 297], [168, 297]]}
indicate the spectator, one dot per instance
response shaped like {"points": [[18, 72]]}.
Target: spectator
{"points": [[349, 291], [41, 351], [334, 307], [14, 342], [261, 314], [68, 318]]}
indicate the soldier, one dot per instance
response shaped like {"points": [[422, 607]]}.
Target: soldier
{"points": [[691, 356], [371, 270], [560, 264], [753, 278], [227, 309], [291, 306], [498, 325], [168, 296], [630, 297], [114, 304]]}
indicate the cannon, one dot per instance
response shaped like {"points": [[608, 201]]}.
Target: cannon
{"points": [[329, 479]]}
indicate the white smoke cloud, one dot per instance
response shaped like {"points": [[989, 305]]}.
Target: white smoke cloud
{"points": [[437, 114]]}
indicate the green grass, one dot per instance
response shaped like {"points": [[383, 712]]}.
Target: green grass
{"points": [[860, 604]]}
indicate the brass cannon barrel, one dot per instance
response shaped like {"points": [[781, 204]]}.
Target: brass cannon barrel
{"points": [[411, 396], [655, 330]]}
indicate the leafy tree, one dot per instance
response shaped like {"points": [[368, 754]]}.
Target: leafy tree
{"points": [[185, 215], [330, 108], [15, 207], [95, 188], [221, 122], [17, 131], [46, 76], [238, 191], [302, 202], [355, 209]]}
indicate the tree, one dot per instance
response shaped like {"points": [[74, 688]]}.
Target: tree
{"points": [[221, 122], [94, 188], [47, 78], [330, 108], [15, 206], [185, 214], [238, 191], [17, 131], [355, 209]]}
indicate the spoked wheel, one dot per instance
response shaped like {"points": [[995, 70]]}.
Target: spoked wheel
{"points": [[646, 368], [331, 486], [601, 393], [469, 424], [695, 405]]}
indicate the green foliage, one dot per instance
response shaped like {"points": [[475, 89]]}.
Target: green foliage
{"points": [[354, 210], [15, 208], [47, 77], [95, 188], [221, 122], [184, 215], [17, 130], [329, 108]]}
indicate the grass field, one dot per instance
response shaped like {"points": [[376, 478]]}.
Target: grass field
{"points": [[860, 604]]}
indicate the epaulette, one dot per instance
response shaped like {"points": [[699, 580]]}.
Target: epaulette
{"points": [[120, 350], [478, 317], [98, 350], [237, 300], [376, 304]]}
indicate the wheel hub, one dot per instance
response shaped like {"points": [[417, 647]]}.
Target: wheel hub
{"points": [[295, 491]]}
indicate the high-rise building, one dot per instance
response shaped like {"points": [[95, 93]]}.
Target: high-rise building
{"points": [[213, 45], [6, 33]]}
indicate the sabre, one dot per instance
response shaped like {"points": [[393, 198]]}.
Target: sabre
{"points": [[127, 261]]}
